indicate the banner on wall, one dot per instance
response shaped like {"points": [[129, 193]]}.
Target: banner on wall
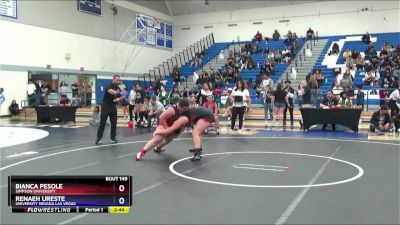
{"points": [[8, 8], [148, 33], [168, 35]]}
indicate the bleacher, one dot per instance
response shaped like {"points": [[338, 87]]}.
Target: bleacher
{"points": [[359, 46]]}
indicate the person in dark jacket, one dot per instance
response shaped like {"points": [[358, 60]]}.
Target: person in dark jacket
{"points": [[14, 108], [360, 97], [380, 120]]}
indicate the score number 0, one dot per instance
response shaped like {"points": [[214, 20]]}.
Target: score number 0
{"points": [[121, 200]]}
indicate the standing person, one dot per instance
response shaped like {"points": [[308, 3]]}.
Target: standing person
{"points": [[112, 96], [88, 92], [210, 104], [31, 89], [140, 94], [360, 97], [290, 93], [240, 97], [204, 93], [125, 103], [393, 97], [279, 98], [2, 97], [132, 100]]}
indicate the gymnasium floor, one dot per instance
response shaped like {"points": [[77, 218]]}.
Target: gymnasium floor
{"points": [[261, 177]]}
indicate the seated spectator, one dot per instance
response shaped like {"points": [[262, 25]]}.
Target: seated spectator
{"points": [[278, 56], [95, 121], [345, 101], [289, 37], [310, 34], [327, 103], [369, 78], [175, 95], [163, 96], [176, 75], [335, 48], [64, 101], [14, 108], [360, 97], [366, 38], [276, 35], [347, 56], [336, 90], [271, 56], [155, 110], [256, 48], [346, 83], [380, 120], [360, 63], [258, 36]]}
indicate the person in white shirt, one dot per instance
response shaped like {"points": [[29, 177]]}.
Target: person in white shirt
{"points": [[393, 97], [155, 110], [240, 97], [31, 90], [132, 100]]}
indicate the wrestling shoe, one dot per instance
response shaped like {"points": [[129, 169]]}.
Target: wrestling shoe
{"points": [[159, 150], [140, 155]]}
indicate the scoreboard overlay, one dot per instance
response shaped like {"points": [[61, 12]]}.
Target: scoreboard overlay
{"points": [[70, 194]]}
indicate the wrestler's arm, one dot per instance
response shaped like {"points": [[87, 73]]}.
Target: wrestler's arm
{"points": [[166, 115], [180, 122]]}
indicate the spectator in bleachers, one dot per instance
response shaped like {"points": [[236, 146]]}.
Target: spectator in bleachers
{"points": [[240, 98], [347, 56], [310, 34], [346, 83], [369, 78], [336, 90], [218, 80], [290, 94], [319, 77], [13, 108], [380, 120], [288, 39], [175, 95], [360, 97], [256, 48], [345, 101], [315, 89], [329, 102], [276, 35], [278, 56], [258, 36], [360, 63], [270, 56], [366, 38], [176, 75], [335, 48]]}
